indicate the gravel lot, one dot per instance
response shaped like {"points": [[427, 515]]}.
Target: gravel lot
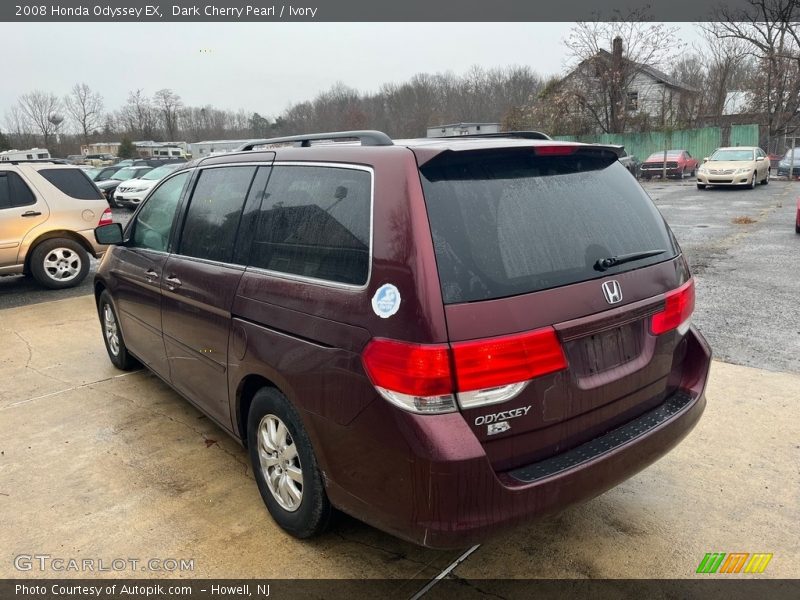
{"points": [[747, 283]]}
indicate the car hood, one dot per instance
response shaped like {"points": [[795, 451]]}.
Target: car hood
{"points": [[730, 164], [138, 183], [107, 183]]}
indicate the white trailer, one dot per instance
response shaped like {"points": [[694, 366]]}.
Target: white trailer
{"points": [[31, 154]]}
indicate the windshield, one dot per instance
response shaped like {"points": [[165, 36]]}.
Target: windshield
{"points": [[126, 173], [92, 173], [161, 172], [732, 155], [507, 223]]}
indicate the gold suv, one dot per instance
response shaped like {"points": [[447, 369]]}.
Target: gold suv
{"points": [[48, 212]]}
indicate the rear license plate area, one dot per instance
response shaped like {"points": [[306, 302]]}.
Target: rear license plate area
{"points": [[605, 350]]}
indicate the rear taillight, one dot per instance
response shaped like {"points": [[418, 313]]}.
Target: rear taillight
{"points": [[106, 218], [428, 378], [677, 312]]}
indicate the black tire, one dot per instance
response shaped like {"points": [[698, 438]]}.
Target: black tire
{"points": [[121, 358], [59, 263], [313, 514], [701, 186], [797, 228], [693, 173]]}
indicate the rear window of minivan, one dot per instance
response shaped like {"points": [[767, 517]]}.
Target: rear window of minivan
{"points": [[511, 222]]}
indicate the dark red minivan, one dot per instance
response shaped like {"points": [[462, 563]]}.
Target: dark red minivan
{"points": [[440, 337]]}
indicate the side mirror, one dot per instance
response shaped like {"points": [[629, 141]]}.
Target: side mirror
{"points": [[110, 234], [705, 160]]}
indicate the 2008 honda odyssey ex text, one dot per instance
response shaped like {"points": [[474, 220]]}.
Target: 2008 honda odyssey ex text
{"points": [[440, 337]]}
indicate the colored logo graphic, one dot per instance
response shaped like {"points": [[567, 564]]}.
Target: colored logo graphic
{"points": [[735, 562]]}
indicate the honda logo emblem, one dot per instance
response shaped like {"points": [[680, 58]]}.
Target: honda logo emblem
{"points": [[612, 292]]}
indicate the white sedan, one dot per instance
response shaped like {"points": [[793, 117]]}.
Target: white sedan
{"points": [[130, 193]]}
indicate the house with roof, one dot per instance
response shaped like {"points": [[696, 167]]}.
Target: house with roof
{"points": [[609, 93]]}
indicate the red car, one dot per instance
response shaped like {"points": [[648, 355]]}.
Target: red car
{"points": [[440, 337], [679, 164]]}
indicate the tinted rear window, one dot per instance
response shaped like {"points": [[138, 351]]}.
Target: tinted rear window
{"points": [[73, 182], [508, 223]]}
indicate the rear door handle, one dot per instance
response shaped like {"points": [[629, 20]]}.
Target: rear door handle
{"points": [[151, 275], [173, 282], [31, 213]]}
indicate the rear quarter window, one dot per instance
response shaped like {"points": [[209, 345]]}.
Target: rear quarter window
{"points": [[73, 182], [509, 223], [315, 223]]}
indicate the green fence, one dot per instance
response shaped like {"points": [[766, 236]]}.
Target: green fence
{"points": [[699, 142]]}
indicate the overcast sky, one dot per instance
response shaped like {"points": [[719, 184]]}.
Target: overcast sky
{"points": [[260, 67]]}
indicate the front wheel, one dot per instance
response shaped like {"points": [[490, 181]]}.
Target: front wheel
{"points": [[701, 186], [753, 180], [285, 467], [59, 263], [112, 335]]}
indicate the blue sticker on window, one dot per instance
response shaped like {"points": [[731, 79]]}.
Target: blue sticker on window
{"points": [[386, 301]]}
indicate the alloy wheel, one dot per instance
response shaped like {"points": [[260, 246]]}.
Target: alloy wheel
{"points": [[62, 264], [111, 329], [280, 463]]}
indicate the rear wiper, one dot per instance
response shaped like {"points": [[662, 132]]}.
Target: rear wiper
{"points": [[603, 264]]}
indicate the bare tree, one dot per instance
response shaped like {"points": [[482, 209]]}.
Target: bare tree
{"points": [[770, 33], [599, 78], [85, 108], [138, 117], [169, 104], [39, 109]]}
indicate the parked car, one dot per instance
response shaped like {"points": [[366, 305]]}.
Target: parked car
{"points": [[128, 162], [630, 162], [157, 162], [788, 161], [740, 165], [91, 172], [125, 173], [130, 193], [441, 337], [797, 218], [47, 215], [105, 173], [679, 164], [76, 159]]}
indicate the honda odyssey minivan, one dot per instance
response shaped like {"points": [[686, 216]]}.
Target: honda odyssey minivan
{"points": [[440, 337]]}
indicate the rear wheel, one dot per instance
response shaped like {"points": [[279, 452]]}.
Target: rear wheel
{"points": [[112, 335], [59, 263], [285, 467]]}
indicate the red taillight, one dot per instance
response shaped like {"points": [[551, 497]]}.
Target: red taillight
{"points": [[561, 150], [420, 378], [678, 308], [106, 218], [493, 362], [414, 369]]}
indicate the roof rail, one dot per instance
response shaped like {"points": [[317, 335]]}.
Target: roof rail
{"points": [[525, 135], [367, 138], [55, 161]]}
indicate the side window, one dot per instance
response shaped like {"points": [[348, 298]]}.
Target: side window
{"points": [[315, 222], [154, 220], [215, 210], [72, 182], [688, 155], [14, 192]]}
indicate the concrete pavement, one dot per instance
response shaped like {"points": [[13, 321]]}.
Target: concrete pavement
{"points": [[99, 464]]}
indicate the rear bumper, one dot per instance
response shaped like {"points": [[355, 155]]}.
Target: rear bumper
{"points": [[445, 493], [657, 172]]}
